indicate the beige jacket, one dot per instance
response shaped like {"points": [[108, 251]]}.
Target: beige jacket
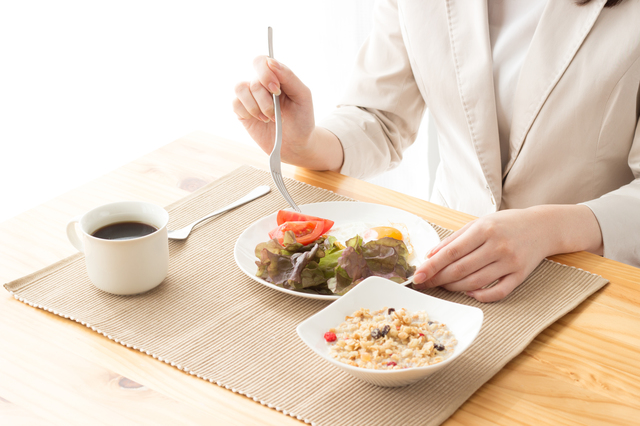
{"points": [[574, 135]]}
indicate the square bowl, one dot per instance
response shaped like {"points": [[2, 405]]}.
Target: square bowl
{"points": [[375, 293]]}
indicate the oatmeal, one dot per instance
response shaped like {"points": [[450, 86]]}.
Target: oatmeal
{"points": [[390, 340]]}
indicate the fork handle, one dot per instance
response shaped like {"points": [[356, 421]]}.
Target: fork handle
{"points": [[258, 192], [270, 42], [276, 105]]}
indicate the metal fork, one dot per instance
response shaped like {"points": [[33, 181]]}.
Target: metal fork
{"points": [[274, 158], [183, 233]]}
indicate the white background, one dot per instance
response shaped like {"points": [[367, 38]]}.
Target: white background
{"points": [[88, 86]]}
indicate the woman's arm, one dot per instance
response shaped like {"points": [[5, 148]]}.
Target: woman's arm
{"points": [[507, 246]]}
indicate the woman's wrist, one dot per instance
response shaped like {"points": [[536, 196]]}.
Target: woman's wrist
{"points": [[569, 228], [324, 151]]}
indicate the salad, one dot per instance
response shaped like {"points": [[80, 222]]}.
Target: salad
{"points": [[299, 255]]}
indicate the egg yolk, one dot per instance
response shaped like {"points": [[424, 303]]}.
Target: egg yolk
{"points": [[381, 232]]}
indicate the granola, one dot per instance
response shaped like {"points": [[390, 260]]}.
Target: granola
{"points": [[390, 339]]}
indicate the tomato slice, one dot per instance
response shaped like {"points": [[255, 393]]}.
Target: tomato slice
{"points": [[306, 232], [289, 216]]}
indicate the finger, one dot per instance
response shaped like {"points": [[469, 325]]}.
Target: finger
{"points": [[461, 246], [481, 278], [499, 291], [272, 72], [465, 267], [266, 75], [241, 111], [244, 95], [449, 239], [263, 98]]}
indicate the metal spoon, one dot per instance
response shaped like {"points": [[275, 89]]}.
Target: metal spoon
{"points": [[409, 281], [182, 234]]}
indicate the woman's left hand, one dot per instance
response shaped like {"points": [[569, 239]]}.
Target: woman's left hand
{"points": [[506, 246]]}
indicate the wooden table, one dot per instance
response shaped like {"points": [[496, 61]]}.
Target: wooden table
{"points": [[584, 369]]}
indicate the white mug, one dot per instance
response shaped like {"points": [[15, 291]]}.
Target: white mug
{"points": [[123, 266]]}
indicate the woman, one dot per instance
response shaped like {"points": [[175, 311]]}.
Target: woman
{"points": [[536, 105]]}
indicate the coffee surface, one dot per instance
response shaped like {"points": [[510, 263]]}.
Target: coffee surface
{"points": [[124, 231]]}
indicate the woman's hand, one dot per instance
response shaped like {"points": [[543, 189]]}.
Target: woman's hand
{"points": [[507, 246], [303, 144]]}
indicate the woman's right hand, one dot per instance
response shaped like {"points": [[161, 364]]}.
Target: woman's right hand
{"points": [[302, 142], [254, 107]]}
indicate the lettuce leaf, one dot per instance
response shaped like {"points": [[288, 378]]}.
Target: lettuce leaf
{"points": [[327, 267], [305, 272], [388, 258]]}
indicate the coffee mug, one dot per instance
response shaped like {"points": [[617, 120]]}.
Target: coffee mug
{"points": [[129, 265]]}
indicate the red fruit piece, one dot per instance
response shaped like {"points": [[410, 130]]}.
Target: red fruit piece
{"points": [[330, 336], [391, 364]]}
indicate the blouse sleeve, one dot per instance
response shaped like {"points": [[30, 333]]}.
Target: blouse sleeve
{"points": [[380, 114], [618, 213]]}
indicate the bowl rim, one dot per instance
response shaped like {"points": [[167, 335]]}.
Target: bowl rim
{"points": [[369, 282]]}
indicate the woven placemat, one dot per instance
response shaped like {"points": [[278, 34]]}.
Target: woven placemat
{"points": [[210, 320]]}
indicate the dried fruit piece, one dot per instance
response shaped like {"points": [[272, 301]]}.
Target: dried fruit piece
{"points": [[391, 364], [390, 311], [439, 347], [375, 333], [330, 336], [385, 330]]}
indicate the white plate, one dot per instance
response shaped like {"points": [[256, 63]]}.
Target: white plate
{"points": [[423, 236]]}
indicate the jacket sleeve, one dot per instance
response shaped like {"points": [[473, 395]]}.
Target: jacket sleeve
{"points": [[618, 213], [380, 114]]}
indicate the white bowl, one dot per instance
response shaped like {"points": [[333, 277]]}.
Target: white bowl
{"points": [[376, 293]]}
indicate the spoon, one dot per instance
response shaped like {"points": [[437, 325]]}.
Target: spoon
{"points": [[182, 234], [409, 281]]}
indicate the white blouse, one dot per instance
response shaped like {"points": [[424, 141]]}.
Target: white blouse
{"points": [[512, 24]]}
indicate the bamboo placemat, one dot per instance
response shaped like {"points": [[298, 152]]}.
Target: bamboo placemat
{"points": [[210, 320]]}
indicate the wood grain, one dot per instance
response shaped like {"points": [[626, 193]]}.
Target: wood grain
{"points": [[584, 369]]}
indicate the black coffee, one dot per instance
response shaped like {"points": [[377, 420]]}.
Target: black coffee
{"points": [[124, 231]]}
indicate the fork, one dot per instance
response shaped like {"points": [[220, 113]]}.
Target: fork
{"points": [[183, 233], [274, 158]]}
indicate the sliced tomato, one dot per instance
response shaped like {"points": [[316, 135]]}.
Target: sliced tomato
{"points": [[306, 232], [289, 216]]}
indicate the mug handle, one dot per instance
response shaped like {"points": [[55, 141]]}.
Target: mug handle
{"points": [[72, 233]]}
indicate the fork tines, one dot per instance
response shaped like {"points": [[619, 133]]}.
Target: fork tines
{"points": [[279, 181]]}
